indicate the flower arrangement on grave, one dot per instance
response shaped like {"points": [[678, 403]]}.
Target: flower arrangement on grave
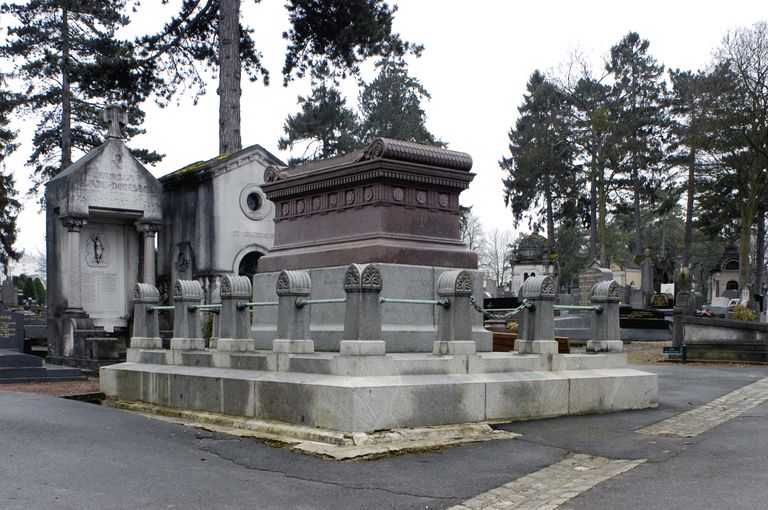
{"points": [[512, 326], [744, 313]]}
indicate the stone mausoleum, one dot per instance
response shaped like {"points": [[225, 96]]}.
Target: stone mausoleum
{"points": [[104, 214]]}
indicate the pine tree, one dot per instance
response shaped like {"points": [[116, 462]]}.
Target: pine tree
{"points": [[331, 37], [540, 167], [67, 56], [9, 206], [325, 124], [390, 106], [638, 122]]}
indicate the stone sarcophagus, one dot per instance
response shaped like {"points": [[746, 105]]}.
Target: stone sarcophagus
{"points": [[393, 202]]}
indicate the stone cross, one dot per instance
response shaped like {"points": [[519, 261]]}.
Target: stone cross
{"points": [[114, 116]]}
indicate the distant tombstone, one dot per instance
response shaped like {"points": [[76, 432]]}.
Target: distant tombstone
{"points": [[588, 278], [11, 330], [9, 293]]}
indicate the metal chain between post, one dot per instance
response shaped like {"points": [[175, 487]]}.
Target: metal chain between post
{"points": [[487, 314]]}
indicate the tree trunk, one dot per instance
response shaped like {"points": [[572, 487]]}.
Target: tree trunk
{"points": [[636, 210], [593, 211], [550, 215], [602, 216], [229, 77], [760, 252], [687, 239], [66, 93]]}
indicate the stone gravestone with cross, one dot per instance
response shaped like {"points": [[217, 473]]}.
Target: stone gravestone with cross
{"points": [[102, 214]]}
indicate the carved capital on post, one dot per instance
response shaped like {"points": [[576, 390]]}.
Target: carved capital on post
{"points": [[370, 279], [539, 287], [146, 293], [187, 290], [148, 229], [74, 224], [293, 283], [454, 283], [235, 287], [606, 292], [352, 277]]}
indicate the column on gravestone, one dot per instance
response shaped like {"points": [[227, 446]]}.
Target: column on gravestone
{"points": [[74, 225], [538, 322], [454, 323], [146, 329], [233, 320], [362, 313], [187, 325], [293, 320], [606, 333], [148, 232]]}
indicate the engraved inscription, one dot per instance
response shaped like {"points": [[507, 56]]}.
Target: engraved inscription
{"points": [[251, 235]]}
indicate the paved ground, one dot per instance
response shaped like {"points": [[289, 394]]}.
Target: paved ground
{"points": [[64, 454]]}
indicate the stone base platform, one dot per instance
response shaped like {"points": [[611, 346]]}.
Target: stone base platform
{"points": [[368, 393], [17, 367]]}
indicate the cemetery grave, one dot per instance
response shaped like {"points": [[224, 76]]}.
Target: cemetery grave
{"points": [[360, 318]]}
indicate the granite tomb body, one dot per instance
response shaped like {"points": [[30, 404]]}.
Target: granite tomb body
{"points": [[393, 203]]}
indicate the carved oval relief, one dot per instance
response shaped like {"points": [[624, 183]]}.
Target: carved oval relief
{"points": [[421, 197], [333, 200], [286, 209], [300, 206], [443, 200], [398, 194], [316, 203], [350, 197], [368, 194]]}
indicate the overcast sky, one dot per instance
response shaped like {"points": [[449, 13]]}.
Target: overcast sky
{"points": [[477, 59]]}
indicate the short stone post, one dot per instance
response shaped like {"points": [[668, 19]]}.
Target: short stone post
{"points": [[362, 316], [213, 341], [146, 327], [606, 335], [293, 321], [454, 323], [537, 329], [187, 325], [234, 323]]}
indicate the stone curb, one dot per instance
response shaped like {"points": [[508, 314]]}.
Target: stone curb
{"points": [[324, 442]]}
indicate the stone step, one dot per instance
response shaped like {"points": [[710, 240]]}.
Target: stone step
{"points": [[13, 359], [11, 373]]}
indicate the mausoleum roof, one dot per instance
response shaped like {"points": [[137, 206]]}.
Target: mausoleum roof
{"points": [[203, 169], [108, 178]]}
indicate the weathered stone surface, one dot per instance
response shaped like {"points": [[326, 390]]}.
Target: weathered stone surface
{"points": [[366, 403], [404, 327]]}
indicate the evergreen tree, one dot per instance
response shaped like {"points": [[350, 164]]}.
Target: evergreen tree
{"points": [[331, 37], [638, 122], [72, 65], [540, 167], [9, 206], [390, 106], [325, 124]]}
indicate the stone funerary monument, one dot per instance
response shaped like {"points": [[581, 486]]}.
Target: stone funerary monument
{"points": [[361, 319], [103, 214]]}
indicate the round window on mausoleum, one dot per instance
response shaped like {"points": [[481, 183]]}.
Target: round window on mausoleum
{"points": [[253, 202]]}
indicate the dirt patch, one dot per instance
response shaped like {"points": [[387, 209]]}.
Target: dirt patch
{"points": [[55, 388]]}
